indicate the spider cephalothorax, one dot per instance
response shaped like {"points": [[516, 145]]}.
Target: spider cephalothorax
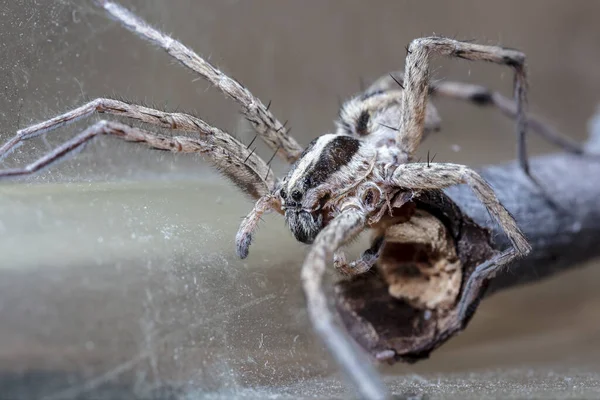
{"points": [[331, 165], [342, 183], [333, 173]]}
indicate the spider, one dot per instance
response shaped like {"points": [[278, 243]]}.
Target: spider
{"points": [[342, 183]]}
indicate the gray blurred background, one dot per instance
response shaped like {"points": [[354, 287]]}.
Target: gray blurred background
{"points": [[117, 270]]}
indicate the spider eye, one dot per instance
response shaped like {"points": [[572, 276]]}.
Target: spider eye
{"points": [[296, 195], [283, 194]]}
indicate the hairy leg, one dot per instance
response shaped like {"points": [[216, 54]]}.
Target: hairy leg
{"points": [[351, 358], [177, 121], [428, 176], [243, 239], [264, 123], [416, 85], [483, 97], [231, 164]]}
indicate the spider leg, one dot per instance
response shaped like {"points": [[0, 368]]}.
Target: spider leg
{"points": [[243, 238], [484, 97], [428, 176], [416, 85], [416, 90], [264, 123], [479, 275], [178, 121], [364, 263], [230, 163], [349, 356]]}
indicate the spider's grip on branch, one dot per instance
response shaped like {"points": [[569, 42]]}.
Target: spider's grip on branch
{"points": [[392, 330]]}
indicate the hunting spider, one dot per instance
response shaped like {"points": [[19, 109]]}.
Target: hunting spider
{"points": [[342, 183]]}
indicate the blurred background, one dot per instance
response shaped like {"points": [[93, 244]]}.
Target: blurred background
{"points": [[117, 271]]}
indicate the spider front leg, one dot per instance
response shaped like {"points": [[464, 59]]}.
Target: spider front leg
{"points": [[230, 163], [245, 168], [430, 176], [272, 132], [349, 356], [209, 135]]}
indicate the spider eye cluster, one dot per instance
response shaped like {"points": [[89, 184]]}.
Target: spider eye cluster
{"points": [[296, 195]]}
